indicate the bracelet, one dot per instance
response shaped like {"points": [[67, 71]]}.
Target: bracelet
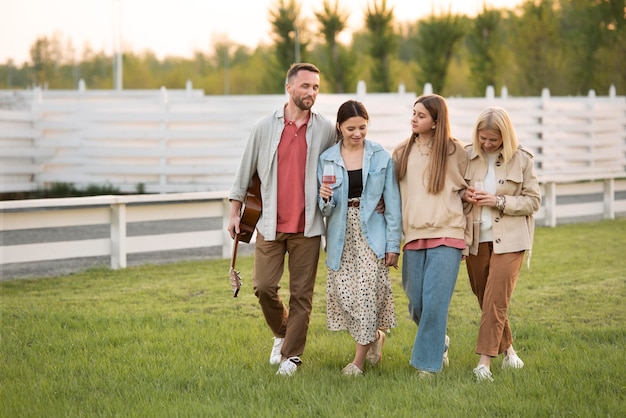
{"points": [[500, 203]]}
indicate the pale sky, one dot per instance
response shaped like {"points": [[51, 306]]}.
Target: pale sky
{"points": [[177, 27]]}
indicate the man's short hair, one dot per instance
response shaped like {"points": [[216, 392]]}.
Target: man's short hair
{"points": [[295, 68]]}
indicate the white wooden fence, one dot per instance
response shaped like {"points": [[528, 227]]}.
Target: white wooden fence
{"points": [[182, 141], [102, 226], [116, 213], [186, 146]]}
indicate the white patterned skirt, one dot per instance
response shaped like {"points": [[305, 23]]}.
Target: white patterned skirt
{"points": [[358, 295]]}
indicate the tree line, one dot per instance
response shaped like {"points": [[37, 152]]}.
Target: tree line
{"points": [[568, 46]]}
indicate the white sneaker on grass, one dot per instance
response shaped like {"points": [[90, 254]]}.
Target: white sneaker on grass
{"points": [[483, 373], [446, 360], [512, 361], [289, 366], [275, 355]]}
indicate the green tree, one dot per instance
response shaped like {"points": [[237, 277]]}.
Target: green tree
{"points": [[569, 46], [138, 70], [612, 55], [96, 69], [383, 44], [437, 39], [537, 45], [582, 37], [47, 58], [223, 56], [289, 42], [486, 50], [336, 66]]}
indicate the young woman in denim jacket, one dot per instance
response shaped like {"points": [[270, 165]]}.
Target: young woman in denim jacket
{"points": [[361, 242]]}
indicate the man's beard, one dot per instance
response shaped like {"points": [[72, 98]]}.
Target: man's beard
{"points": [[300, 103]]}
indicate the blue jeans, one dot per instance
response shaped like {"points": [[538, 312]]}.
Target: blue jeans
{"points": [[428, 278]]}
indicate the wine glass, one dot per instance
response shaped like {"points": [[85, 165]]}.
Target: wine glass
{"points": [[479, 187], [328, 175]]}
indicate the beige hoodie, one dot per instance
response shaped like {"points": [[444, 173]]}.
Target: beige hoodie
{"points": [[425, 215]]}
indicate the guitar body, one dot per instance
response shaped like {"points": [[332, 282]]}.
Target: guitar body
{"points": [[250, 214], [251, 210]]}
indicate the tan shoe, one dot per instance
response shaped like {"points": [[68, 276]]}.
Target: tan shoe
{"points": [[375, 353], [352, 370]]}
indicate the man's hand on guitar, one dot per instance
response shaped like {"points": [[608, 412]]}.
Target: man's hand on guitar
{"points": [[235, 218]]}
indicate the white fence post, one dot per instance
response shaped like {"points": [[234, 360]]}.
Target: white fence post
{"points": [[118, 236], [361, 90], [609, 197], [549, 199], [163, 141], [490, 93]]}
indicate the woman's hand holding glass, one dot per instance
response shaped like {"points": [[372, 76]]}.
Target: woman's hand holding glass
{"points": [[328, 179], [478, 196]]}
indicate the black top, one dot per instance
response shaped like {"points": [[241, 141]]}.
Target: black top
{"points": [[355, 181]]}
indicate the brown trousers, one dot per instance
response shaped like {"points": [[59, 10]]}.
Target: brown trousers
{"points": [[493, 278], [291, 323]]}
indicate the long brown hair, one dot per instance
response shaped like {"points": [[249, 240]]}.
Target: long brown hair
{"points": [[442, 144]]}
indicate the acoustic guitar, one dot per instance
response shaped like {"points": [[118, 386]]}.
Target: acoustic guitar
{"points": [[249, 214]]}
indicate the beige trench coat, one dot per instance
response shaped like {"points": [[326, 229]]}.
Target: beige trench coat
{"points": [[514, 228]]}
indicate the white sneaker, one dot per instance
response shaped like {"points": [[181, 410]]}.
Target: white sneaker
{"points": [[275, 356], [423, 374], [512, 361], [482, 373], [289, 366], [446, 360]]}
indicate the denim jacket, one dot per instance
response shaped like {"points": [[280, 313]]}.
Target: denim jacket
{"points": [[383, 232]]}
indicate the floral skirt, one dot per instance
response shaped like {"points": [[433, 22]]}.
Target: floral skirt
{"points": [[358, 295]]}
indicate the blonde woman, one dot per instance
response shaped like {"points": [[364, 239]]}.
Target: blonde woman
{"points": [[503, 229]]}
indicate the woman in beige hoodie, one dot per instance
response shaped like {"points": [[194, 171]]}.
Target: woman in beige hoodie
{"points": [[430, 165]]}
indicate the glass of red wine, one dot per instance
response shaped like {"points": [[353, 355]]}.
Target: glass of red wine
{"points": [[328, 175]]}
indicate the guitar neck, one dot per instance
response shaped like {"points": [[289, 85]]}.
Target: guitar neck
{"points": [[234, 255]]}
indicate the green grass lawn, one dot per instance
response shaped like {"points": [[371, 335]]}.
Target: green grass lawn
{"points": [[171, 341]]}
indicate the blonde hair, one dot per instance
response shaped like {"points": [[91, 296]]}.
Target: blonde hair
{"points": [[443, 145], [496, 119]]}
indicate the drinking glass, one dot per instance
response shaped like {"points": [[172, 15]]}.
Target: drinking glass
{"points": [[328, 175]]}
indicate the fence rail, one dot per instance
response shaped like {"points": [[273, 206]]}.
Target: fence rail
{"points": [[117, 227]]}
